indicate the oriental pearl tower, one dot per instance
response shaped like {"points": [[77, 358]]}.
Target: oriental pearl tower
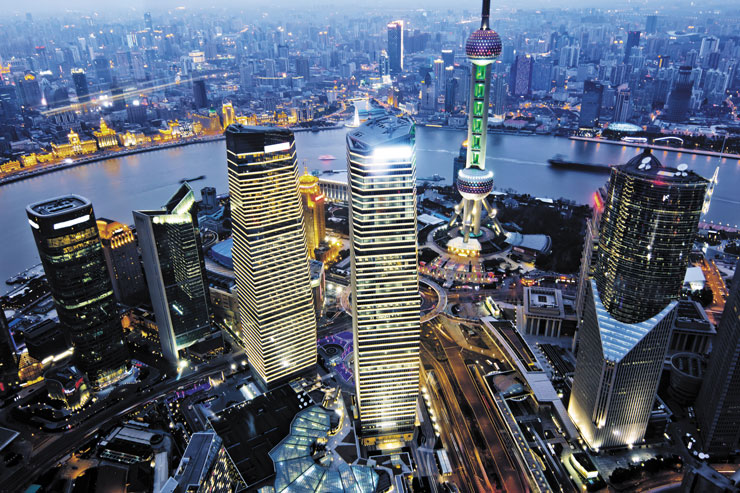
{"points": [[475, 182]]}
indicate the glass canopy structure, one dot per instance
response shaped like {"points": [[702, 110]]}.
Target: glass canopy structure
{"points": [[303, 462]]}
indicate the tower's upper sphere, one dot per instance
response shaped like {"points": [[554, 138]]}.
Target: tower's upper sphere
{"points": [[483, 45]]}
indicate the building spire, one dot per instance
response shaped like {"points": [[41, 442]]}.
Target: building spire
{"points": [[485, 14]]}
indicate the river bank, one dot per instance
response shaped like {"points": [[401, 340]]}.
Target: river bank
{"points": [[700, 152]]}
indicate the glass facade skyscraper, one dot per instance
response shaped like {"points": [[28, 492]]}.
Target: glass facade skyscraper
{"points": [[68, 242], [591, 104], [395, 46], [273, 282], [122, 257], [385, 284], [718, 403], [650, 218], [175, 271], [646, 232]]}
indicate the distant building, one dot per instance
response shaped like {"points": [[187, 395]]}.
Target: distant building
{"points": [[205, 467], [395, 46], [278, 322], [651, 24], [175, 272], [680, 96], [79, 78], [633, 40], [590, 104], [122, 259], [521, 75], [458, 163], [200, 96], [630, 304], [623, 106], [385, 286], [68, 242], [718, 404]]}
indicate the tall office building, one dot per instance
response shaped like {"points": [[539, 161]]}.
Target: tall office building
{"points": [[30, 91], [718, 403], [68, 242], [680, 96], [79, 78], [498, 98], [650, 217], [169, 239], [385, 285], [200, 95], [521, 75], [122, 259], [651, 24], [314, 203], [395, 46], [475, 182], [205, 466], [591, 104], [458, 164], [623, 106], [633, 40], [448, 57], [278, 322]]}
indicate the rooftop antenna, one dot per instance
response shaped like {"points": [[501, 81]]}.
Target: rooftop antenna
{"points": [[485, 14]]}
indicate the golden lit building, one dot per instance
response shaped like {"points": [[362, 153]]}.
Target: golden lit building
{"points": [[130, 139], [106, 136], [271, 265], [122, 259], [76, 147], [229, 117], [313, 211], [10, 166]]}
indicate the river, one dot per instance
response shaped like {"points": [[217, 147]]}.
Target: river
{"points": [[145, 181]]}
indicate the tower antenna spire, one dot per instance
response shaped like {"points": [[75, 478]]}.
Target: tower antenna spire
{"points": [[485, 14]]}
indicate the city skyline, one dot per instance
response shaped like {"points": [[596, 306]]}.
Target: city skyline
{"points": [[289, 282]]}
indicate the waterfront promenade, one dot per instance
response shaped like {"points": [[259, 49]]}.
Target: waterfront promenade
{"points": [[700, 152]]}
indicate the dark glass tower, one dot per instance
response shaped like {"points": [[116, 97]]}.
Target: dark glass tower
{"points": [[81, 88], [647, 230], [175, 271], [395, 46], [718, 403], [68, 242], [633, 39], [680, 97], [591, 104]]}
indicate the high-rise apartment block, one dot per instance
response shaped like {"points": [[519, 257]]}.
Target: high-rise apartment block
{"points": [[385, 284], [650, 216], [278, 322], [68, 242], [175, 271], [122, 258]]}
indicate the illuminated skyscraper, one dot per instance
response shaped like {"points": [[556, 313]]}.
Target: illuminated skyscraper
{"points": [[122, 259], [278, 323], [67, 239], [313, 211], [650, 217], [475, 182], [521, 75], [395, 46], [718, 403], [385, 285], [175, 271]]}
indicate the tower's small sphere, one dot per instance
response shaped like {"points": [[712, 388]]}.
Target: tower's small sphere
{"points": [[483, 45], [474, 183]]}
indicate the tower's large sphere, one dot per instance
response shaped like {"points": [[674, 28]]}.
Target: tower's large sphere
{"points": [[474, 183], [484, 45]]}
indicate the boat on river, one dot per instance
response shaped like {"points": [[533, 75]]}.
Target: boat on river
{"points": [[559, 161]]}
